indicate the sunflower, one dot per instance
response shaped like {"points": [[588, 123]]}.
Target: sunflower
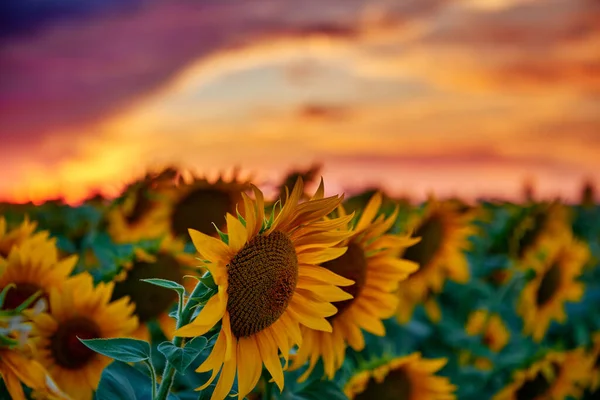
{"points": [[153, 303], [14, 237], [372, 262], [407, 302], [555, 283], [199, 204], [554, 377], [409, 377], [595, 361], [494, 334], [17, 365], [79, 310], [444, 234], [135, 218], [269, 283], [544, 224], [33, 266]]}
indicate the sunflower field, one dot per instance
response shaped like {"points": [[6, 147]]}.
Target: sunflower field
{"points": [[189, 288]]}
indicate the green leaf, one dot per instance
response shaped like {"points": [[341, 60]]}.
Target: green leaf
{"points": [[121, 381], [166, 284], [5, 291], [181, 358], [121, 349]]}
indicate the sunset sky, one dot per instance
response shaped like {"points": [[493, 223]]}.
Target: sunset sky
{"points": [[466, 97]]}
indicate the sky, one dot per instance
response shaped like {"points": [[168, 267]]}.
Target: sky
{"points": [[466, 97]]}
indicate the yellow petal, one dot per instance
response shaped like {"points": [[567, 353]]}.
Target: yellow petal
{"points": [[250, 216], [320, 193], [308, 301], [227, 376], [210, 248], [260, 209], [207, 318], [307, 318], [369, 212], [323, 291], [321, 255], [237, 233], [323, 274], [249, 365], [216, 357], [268, 352]]}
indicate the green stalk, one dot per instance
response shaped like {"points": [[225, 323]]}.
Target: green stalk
{"points": [[184, 318], [152, 376]]}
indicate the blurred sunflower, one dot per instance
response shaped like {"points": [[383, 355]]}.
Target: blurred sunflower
{"points": [[79, 310], [595, 361], [372, 262], [537, 230], [444, 234], [307, 175], [33, 266], [493, 332], [407, 302], [555, 283], [200, 203], [25, 231], [137, 216], [556, 376], [153, 303], [409, 377], [270, 282], [17, 365]]}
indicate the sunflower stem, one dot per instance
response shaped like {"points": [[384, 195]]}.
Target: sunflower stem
{"points": [[153, 376], [183, 319]]}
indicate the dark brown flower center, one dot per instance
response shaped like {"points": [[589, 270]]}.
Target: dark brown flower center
{"points": [[431, 232], [351, 265], [17, 295], [535, 388], [141, 206], [488, 338], [395, 386], [66, 349], [150, 300], [549, 285], [199, 209], [597, 363], [262, 280], [532, 233]]}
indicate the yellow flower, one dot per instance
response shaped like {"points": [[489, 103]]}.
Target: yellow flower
{"points": [[372, 262], [153, 302], [79, 310], [15, 237], [270, 283], [135, 218], [493, 332], [404, 378], [17, 365], [554, 377], [595, 361], [539, 229], [199, 204], [444, 234], [555, 283], [17, 368], [33, 266]]}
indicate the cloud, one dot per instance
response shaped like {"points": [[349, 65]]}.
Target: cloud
{"points": [[324, 112], [533, 25]]}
